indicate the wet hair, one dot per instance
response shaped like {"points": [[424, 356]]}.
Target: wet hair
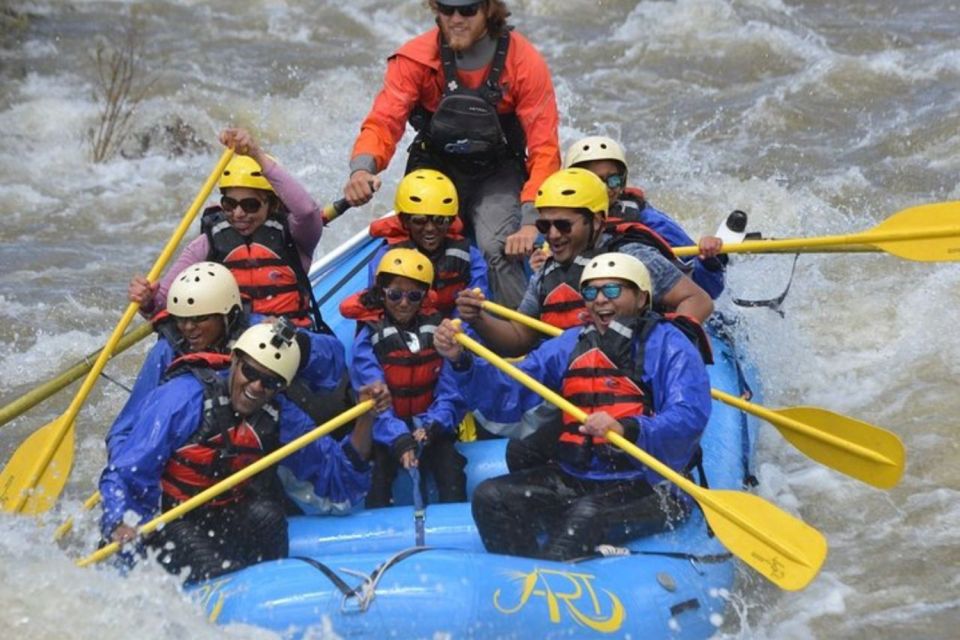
{"points": [[496, 21]]}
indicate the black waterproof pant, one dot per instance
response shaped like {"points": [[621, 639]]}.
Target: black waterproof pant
{"points": [[515, 512], [439, 458], [215, 540], [536, 450]]}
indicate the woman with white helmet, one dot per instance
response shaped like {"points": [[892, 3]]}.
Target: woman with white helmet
{"points": [[605, 157], [203, 315], [636, 373], [265, 231]]}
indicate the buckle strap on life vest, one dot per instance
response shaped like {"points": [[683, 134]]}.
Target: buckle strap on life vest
{"points": [[491, 89]]}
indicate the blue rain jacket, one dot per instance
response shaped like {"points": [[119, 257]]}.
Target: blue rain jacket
{"points": [[710, 281], [172, 412], [672, 368]]}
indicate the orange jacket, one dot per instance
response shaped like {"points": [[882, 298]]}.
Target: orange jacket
{"points": [[414, 76]]}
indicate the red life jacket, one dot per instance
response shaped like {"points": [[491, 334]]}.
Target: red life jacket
{"points": [[560, 302], [410, 375], [451, 268], [605, 373], [223, 444], [265, 264]]}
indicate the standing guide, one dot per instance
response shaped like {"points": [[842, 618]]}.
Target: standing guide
{"points": [[481, 99]]}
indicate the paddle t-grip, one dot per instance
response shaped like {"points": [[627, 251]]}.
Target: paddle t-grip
{"points": [[734, 228]]}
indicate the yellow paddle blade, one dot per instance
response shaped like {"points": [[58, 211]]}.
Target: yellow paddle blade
{"points": [[926, 233], [15, 479], [859, 449], [940, 222], [856, 448], [784, 549]]}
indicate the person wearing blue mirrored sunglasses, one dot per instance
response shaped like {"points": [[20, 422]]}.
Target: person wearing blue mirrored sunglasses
{"points": [[636, 373]]}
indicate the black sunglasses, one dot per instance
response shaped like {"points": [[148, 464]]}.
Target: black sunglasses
{"points": [[563, 225], [269, 382], [611, 291], [467, 11], [422, 220], [249, 205], [396, 295]]}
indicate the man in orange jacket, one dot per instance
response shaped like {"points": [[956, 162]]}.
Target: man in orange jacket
{"points": [[482, 101]]}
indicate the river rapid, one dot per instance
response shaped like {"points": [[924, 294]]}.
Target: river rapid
{"points": [[816, 117]]}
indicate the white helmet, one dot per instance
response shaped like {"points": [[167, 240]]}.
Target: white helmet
{"points": [[267, 346], [594, 148], [201, 289], [618, 265]]}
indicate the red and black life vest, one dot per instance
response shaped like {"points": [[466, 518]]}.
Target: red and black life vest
{"points": [[266, 265], [605, 373], [411, 373], [560, 302], [451, 268], [223, 444]]}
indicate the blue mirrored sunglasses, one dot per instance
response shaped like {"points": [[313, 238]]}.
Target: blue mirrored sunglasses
{"points": [[611, 291]]}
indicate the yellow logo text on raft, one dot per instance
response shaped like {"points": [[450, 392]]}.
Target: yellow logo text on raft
{"points": [[565, 591]]}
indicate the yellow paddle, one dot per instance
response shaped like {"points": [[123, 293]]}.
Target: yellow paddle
{"points": [[926, 233], [786, 550], [230, 482], [32, 398], [859, 449], [38, 470]]}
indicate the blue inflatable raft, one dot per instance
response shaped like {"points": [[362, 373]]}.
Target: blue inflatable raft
{"points": [[362, 575]]}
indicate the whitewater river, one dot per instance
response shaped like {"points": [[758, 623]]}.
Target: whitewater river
{"points": [[816, 117]]}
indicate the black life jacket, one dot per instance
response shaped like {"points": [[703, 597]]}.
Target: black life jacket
{"points": [[605, 373], [267, 267], [223, 444], [466, 130]]}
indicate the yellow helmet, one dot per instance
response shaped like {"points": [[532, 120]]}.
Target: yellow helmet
{"points": [[618, 265], [203, 288], [262, 343], [408, 263], [426, 192], [594, 148], [574, 189], [244, 171]]}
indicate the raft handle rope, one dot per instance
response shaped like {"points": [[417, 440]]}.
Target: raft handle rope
{"points": [[773, 304], [366, 591]]}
